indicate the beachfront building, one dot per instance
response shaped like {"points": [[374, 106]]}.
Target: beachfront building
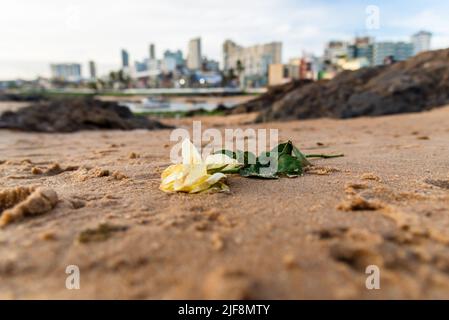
{"points": [[304, 67], [250, 64], [70, 72], [278, 73], [421, 41], [294, 66], [194, 54], [353, 64], [398, 51]]}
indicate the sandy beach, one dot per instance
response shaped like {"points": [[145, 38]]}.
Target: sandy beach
{"points": [[385, 203]]}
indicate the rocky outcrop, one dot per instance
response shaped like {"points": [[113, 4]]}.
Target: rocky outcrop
{"points": [[265, 100], [74, 114]]}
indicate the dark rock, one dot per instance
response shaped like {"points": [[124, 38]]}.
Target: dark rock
{"points": [[74, 114], [28, 97], [201, 111], [265, 100], [221, 108], [195, 112]]}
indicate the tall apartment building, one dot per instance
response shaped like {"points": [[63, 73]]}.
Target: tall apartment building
{"points": [[194, 54], [66, 71], [92, 70], [151, 51], [398, 50], [125, 58], [253, 61], [421, 41]]}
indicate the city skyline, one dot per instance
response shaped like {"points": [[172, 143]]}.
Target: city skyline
{"points": [[299, 25]]}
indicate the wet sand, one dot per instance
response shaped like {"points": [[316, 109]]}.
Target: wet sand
{"points": [[385, 203]]}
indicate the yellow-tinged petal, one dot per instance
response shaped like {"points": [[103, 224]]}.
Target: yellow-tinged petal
{"points": [[200, 185], [194, 174], [210, 181], [190, 154], [168, 187], [221, 162], [220, 159], [171, 172], [215, 178], [170, 175]]}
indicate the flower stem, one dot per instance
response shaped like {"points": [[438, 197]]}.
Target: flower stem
{"points": [[325, 156]]}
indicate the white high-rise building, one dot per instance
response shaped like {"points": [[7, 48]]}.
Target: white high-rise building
{"points": [[66, 71], [398, 51], [251, 63], [194, 54], [421, 41]]}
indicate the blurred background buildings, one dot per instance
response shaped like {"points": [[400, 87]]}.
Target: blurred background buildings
{"points": [[253, 66]]}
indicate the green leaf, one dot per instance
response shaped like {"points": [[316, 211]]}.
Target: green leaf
{"points": [[298, 154], [283, 148], [289, 165], [246, 157], [254, 171], [249, 158], [265, 158], [249, 170]]}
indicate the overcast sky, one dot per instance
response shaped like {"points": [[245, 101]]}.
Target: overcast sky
{"points": [[35, 33]]}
